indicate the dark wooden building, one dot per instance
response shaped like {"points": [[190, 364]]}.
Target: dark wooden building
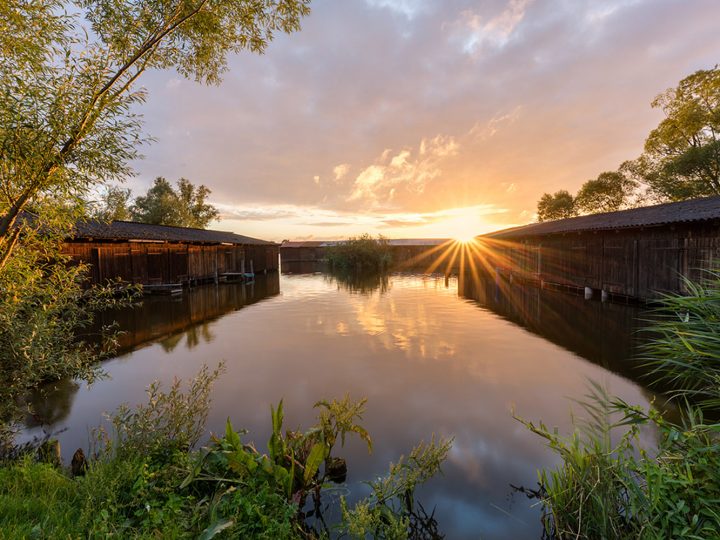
{"points": [[430, 254], [159, 254], [637, 253]]}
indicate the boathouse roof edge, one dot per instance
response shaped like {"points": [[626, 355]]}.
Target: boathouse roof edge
{"points": [[129, 230], [693, 210]]}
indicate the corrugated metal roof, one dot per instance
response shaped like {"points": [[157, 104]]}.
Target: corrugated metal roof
{"points": [[392, 242], [128, 230], [647, 216]]}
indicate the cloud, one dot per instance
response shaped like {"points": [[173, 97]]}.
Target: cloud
{"points": [[408, 169], [316, 179], [540, 95], [478, 31], [340, 171], [484, 130]]}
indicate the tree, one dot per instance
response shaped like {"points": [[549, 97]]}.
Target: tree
{"points": [[184, 207], [114, 205], [609, 192], [196, 212], [68, 124], [559, 205], [681, 159], [68, 83]]}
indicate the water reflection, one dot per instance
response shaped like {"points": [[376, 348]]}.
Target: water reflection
{"points": [[605, 333], [165, 320], [428, 361], [186, 318]]}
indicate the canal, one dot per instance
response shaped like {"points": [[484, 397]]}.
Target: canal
{"points": [[432, 355]]}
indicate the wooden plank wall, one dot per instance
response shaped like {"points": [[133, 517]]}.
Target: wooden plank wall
{"points": [[640, 263], [157, 263]]}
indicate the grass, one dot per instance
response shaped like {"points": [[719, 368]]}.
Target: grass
{"points": [[608, 485], [146, 481]]}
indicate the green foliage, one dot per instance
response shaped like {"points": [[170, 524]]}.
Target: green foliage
{"points": [[682, 155], [683, 353], [559, 205], [608, 485], [294, 459], [181, 207], [148, 482], [114, 205], [43, 307], [681, 159], [609, 192], [391, 511], [68, 96], [66, 116], [173, 418], [360, 253]]}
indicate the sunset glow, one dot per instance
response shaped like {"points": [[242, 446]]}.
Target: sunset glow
{"points": [[447, 119]]}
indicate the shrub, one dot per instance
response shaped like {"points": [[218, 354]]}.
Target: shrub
{"points": [[360, 253]]}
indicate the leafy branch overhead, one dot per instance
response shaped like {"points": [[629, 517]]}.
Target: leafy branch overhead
{"points": [[67, 119]]}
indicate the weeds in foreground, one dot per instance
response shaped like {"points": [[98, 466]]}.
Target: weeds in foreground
{"points": [[608, 485], [146, 480]]}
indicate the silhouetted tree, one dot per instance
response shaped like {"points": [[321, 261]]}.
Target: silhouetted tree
{"points": [[609, 192], [184, 207], [559, 205]]}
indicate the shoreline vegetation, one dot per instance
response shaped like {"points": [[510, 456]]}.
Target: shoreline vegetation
{"points": [[360, 254], [145, 479], [608, 485]]}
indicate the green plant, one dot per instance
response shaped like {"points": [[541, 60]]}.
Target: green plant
{"points": [[360, 253], [391, 511], [174, 418], [683, 352], [294, 459], [609, 486]]}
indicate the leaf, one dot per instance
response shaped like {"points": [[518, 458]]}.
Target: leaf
{"points": [[231, 436], [317, 455], [216, 528], [276, 444]]}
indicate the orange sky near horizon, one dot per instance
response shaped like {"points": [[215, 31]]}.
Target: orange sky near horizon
{"points": [[424, 118]]}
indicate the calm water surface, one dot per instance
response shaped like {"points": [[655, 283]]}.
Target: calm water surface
{"points": [[430, 354]]}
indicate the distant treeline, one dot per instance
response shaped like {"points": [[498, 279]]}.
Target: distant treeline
{"points": [[681, 158]]}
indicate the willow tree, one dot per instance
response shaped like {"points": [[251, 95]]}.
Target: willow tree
{"points": [[69, 82], [69, 93]]}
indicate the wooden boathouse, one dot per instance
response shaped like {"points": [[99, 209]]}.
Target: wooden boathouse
{"points": [[156, 255], [638, 253], [406, 253]]}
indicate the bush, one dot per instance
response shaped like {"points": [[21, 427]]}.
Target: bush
{"points": [[360, 253]]}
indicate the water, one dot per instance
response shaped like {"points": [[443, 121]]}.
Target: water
{"points": [[430, 354]]}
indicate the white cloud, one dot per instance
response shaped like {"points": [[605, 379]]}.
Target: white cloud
{"points": [[341, 170], [411, 170], [409, 8], [316, 179]]}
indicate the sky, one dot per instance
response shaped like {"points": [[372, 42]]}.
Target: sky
{"points": [[423, 118]]}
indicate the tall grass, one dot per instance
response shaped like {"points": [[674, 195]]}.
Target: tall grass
{"points": [[608, 485]]}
